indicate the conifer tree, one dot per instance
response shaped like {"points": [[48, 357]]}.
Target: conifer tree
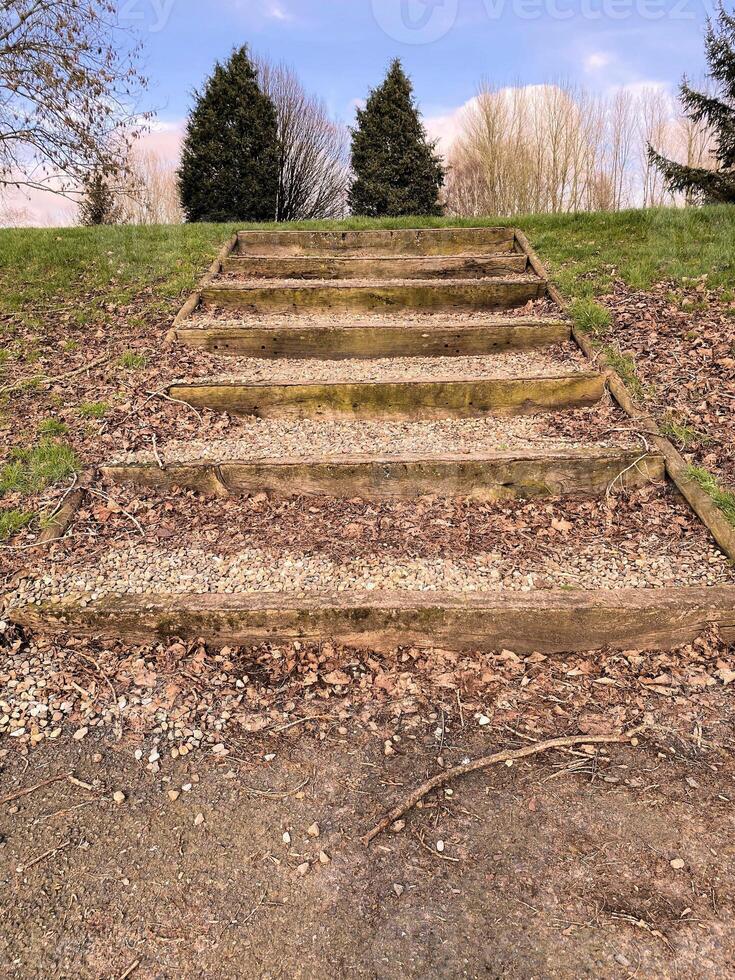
{"points": [[229, 162], [397, 170], [99, 205], [715, 111]]}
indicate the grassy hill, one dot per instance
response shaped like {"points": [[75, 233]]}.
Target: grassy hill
{"points": [[72, 296]]}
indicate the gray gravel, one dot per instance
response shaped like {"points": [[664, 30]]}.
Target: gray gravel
{"points": [[278, 438], [516, 364], [222, 318], [148, 570], [232, 279]]}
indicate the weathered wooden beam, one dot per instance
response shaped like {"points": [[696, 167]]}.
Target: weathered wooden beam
{"points": [[497, 476], [490, 294], [395, 267], [545, 621], [395, 399], [369, 340], [400, 241]]}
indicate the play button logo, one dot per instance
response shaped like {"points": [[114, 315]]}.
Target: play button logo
{"points": [[415, 21]]}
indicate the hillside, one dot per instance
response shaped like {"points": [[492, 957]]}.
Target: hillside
{"points": [[104, 297]]}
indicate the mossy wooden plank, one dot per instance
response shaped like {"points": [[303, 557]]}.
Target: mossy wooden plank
{"points": [[409, 400], [483, 294], [395, 267], [399, 241], [545, 621], [375, 340], [499, 476]]}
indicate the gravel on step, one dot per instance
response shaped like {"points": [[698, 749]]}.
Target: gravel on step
{"points": [[217, 316], [316, 546], [287, 438], [552, 363], [235, 279], [149, 570]]}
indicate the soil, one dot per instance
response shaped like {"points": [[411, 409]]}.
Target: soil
{"points": [[608, 863]]}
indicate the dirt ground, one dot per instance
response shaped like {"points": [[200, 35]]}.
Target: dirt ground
{"points": [[559, 866]]}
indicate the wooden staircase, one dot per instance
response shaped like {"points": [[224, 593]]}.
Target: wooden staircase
{"points": [[428, 324]]}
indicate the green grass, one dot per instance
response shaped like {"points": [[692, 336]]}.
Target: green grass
{"points": [[11, 521], [52, 427], [685, 435], [132, 361], [625, 365], [93, 410], [590, 317], [724, 499], [33, 470]]}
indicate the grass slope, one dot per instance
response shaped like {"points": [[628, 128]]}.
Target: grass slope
{"points": [[69, 294]]}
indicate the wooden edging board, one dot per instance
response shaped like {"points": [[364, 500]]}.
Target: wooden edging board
{"points": [[676, 467]]}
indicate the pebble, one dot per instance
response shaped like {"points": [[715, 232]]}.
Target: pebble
{"points": [[198, 819], [677, 864], [314, 830], [119, 797]]}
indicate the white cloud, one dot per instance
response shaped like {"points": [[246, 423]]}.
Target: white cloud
{"points": [[597, 60], [277, 11]]}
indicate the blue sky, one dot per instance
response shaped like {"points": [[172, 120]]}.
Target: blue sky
{"points": [[341, 47]]}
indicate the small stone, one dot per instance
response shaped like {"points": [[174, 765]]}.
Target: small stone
{"points": [[303, 868], [138, 755], [198, 819], [186, 788], [397, 826], [483, 720], [79, 734], [314, 830], [324, 858], [286, 838], [118, 797], [677, 864], [97, 757], [398, 889], [173, 795], [440, 845]]}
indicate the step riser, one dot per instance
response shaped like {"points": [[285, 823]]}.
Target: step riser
{"points": [[398, 268], [547, 622], [372, 341], [445, 241], [415, 400], [485, 295], [482, 480]]}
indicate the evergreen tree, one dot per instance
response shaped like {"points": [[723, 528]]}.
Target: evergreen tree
{"points": [[229, 161], [717, 112], [99, 205], [397, 170]]}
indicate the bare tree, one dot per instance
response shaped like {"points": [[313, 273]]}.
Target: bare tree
{"points": [[68, 85], [314, 149], [149, 194]]}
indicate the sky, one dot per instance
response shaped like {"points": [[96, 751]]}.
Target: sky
{"points": [[341, 48]]}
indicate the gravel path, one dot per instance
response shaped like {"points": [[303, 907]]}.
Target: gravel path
{"points": [[279, 438], [213, 316], [149, 570], [514, 364], [236, 279]]}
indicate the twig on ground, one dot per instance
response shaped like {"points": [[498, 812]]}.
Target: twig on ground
{"points": [[133, 966], [111, 500], [511, 755], [276, 796], [176, 401], [42, 379], [41, 857], [156, 453], [19, 793]]}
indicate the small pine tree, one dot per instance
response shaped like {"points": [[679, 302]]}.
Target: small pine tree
{"points": [[717, 112], [229, 161], [397, 170], [99, 205]]}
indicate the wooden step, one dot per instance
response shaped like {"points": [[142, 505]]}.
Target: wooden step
{"points": [[502, 475], [367, 340], [414, 399], [377, 267], [418, 295], [402, 241], [545, 621]]}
